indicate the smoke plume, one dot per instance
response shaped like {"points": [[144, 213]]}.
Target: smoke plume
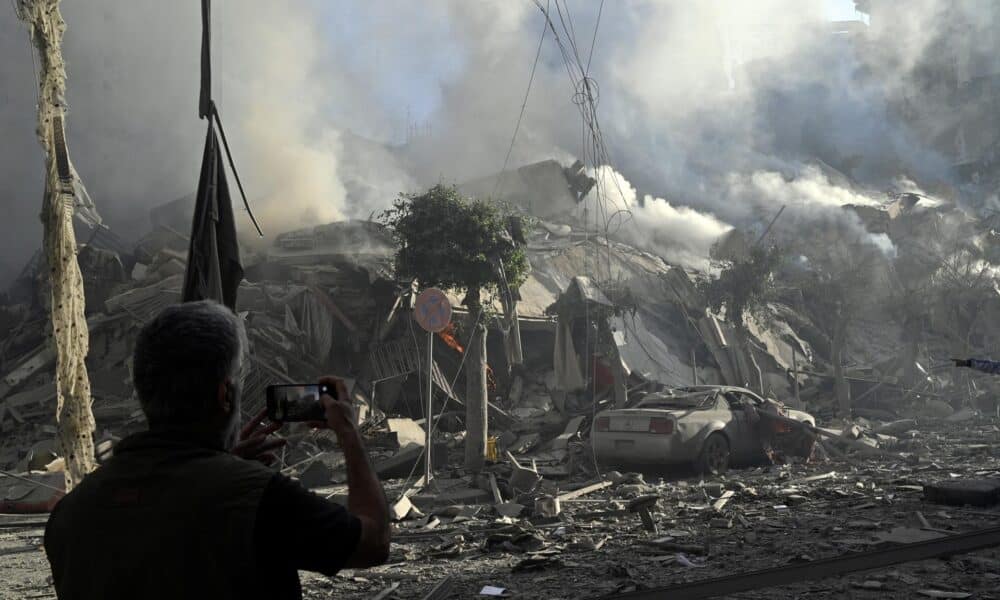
{"points": [[716, 113]]}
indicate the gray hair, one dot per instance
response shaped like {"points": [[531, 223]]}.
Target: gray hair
{"points": [[182, 356]]}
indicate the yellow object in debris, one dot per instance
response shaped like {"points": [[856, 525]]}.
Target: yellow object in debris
{"points": [[492, 454]]}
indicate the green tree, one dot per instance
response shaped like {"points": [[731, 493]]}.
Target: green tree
{"points": [[844, 283], [445, 240], [745, 286]]}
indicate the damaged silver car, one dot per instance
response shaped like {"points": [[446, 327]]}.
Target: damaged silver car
{"points": [[707, 427]]}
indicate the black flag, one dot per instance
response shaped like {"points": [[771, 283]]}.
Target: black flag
{"points": [[205, 97], [214, 270]]}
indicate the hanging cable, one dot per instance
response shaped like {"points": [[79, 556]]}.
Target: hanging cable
{"points": [[593, 41], [524, 104]]}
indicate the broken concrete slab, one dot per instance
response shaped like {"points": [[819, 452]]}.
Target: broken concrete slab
{"points": [[402, 462], [571, 430], [427, 501], [906, 535], [401, 508], [547, 506], [407, 432], [966, 414], [974, 492], [39, 359], [896, 427], [510, 509]]}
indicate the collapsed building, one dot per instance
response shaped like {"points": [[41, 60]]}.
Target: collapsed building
{"points": [[601, 324]]}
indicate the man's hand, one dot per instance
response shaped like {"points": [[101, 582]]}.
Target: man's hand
{"points": [[340, 414], [253, 443], [962, 362]]}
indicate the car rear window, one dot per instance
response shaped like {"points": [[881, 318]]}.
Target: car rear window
{"points": [[685, 401]]}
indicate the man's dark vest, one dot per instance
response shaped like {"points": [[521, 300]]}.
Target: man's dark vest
{"points": [[165, 518]]}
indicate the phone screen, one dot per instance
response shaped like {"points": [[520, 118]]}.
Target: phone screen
{"points": [[295, 402]]}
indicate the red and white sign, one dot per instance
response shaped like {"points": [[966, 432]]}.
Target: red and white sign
{"points": [[432, 310]]}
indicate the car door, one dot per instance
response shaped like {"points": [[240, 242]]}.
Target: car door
{"points": [[744, 439]]}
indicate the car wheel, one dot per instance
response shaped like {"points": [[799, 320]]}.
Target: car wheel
{"points": [[714, 457]]}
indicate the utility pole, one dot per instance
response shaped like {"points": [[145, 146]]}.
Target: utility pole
{"points": [[70, 336]]}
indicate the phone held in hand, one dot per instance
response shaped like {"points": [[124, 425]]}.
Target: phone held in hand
{"points": [[295, 402]]}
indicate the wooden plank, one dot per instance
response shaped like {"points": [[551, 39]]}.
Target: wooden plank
{"points": [[386, 592], [584, 491], [719, 504], [440, 591]]}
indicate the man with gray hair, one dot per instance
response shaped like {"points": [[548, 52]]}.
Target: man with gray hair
{"points": [[186, 509]]}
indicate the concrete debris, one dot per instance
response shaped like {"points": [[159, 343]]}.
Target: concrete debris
{"points": [[510, 509], [406, 432], [795, 480], [402, 508], [522, 479], [491, 590], [972, 492], [547, 506]]}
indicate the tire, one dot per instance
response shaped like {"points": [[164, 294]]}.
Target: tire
{"points": [[714, 457]]}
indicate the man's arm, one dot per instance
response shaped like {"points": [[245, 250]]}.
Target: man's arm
{"points": [[365, 498]]}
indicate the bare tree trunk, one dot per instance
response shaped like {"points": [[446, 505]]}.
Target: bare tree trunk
{"points": [[69, 325], [476, 399]]}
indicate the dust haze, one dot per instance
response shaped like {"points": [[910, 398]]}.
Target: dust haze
{"points": [[719, 111]]}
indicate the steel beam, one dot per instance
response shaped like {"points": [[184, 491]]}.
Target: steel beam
{"points": [[827, 567]]}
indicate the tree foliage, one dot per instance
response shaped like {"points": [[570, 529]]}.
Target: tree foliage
{"points": [[843, 283], [745, 286], [449, 241]]}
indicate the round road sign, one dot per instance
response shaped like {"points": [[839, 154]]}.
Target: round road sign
{"points": [[432, 310]]}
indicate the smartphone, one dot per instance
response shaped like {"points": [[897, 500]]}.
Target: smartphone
{"points": [[297, 402]]}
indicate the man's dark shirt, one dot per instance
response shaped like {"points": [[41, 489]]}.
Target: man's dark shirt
{"points": [[173, 516]]}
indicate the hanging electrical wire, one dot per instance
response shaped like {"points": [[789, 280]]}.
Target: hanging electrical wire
{"points": [[524, 104], [586, 96]]}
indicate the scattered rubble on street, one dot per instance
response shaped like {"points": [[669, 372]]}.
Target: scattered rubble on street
{"points": [[613, 532]]}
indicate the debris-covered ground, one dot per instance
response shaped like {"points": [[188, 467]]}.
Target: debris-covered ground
{"points": [[325, 300], [705, 527]]}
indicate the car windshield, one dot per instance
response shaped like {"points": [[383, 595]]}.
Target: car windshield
{"points": [[695, 400]]}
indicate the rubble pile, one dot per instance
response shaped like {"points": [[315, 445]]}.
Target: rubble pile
{"points": [[547, 509], [614, 532], [609, 531]]}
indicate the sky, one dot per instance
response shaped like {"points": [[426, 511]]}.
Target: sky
{"points": [[842, 10]]}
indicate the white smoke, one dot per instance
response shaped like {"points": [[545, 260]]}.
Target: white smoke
{"points": [[718, 105], [680, 234], [811, 188]]}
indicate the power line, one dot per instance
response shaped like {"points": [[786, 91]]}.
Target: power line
{"points": [[524, 104], [593, 41]]}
